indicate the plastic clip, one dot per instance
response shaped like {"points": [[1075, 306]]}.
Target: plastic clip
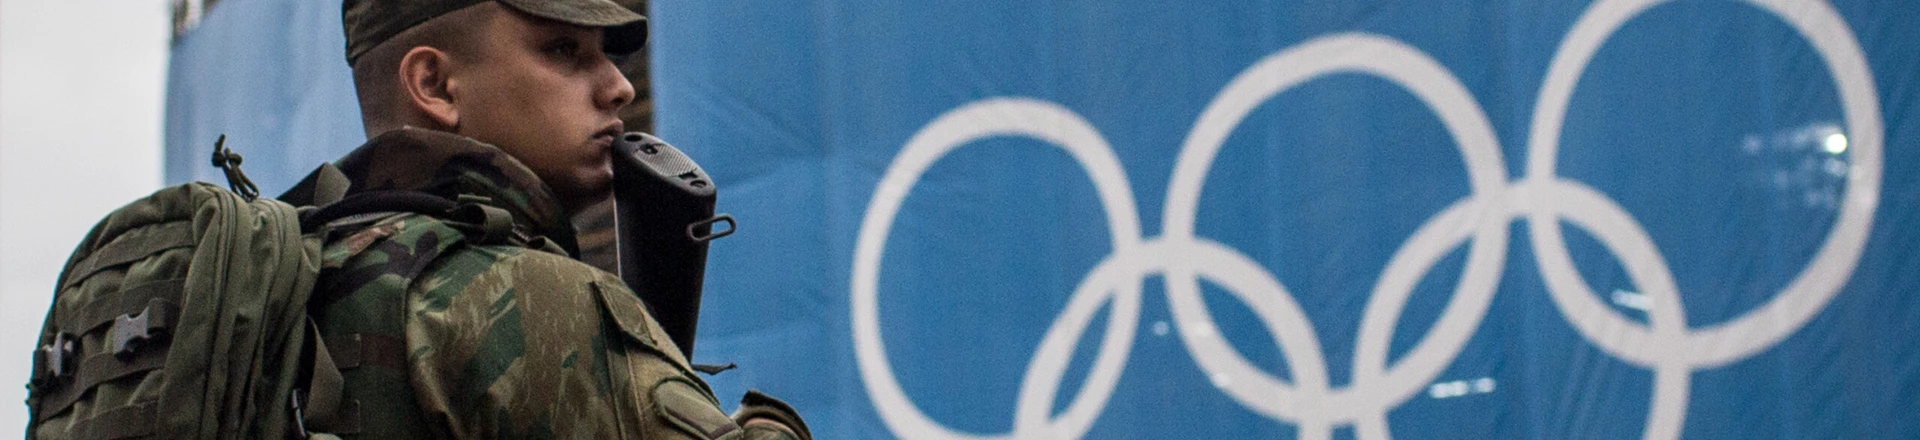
{"points": [[55, 359], [132, 331]]}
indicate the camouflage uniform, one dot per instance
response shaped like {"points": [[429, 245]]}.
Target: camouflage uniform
{"points": [[444, 329]]}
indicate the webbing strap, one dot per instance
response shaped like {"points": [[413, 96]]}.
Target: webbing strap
{"points": [[377, 201], [323, 411], [151, 240], [98, 369], [127, 422], [130, 300], [494, 223], [354, 350]]}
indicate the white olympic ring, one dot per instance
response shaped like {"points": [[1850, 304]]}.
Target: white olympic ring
{"points": [[1666, 345]]}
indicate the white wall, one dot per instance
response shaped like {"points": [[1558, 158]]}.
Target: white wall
{"points": [[81, 96]]}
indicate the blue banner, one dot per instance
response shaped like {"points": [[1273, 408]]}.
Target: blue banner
{"points": [[271, 76], [1374, 219], [1327, 219]]}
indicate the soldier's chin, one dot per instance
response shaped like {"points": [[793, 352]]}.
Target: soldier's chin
{"points": [[585, 190]]}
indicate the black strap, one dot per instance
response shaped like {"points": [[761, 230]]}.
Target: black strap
{"points": [[129, 248], [474, 214], [377, 201]]}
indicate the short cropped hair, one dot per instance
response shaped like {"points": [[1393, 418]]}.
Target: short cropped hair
{"points": [[376, 74]]}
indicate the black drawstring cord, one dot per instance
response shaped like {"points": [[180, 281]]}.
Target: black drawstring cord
{"points": [[229, 161]]}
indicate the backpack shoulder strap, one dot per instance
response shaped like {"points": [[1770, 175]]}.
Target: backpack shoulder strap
{"points": [[376, 202]]}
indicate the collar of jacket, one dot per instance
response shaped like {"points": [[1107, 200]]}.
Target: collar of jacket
{"points": [[450, 165]]}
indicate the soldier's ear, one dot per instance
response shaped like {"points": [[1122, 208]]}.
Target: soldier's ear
{"points": [[425, 75]]}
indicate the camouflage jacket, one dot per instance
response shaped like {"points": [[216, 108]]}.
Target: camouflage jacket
{"points": [[446, 328]]}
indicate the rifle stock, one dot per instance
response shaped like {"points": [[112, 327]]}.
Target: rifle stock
{"points": [[664, 218]]}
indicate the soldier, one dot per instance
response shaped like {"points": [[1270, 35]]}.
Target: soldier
{"points": [[483, 326]]}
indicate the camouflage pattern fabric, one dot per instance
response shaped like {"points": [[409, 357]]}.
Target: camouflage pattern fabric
{"points": [[441, 333], [595, 231]]}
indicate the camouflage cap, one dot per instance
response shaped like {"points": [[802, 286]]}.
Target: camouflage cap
{"points": [[371, 22]]}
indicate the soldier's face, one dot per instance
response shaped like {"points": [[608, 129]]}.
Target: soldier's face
{"points": [[545, 93]]}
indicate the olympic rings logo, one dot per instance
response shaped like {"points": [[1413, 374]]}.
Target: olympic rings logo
{"points": [[1666, 345]]}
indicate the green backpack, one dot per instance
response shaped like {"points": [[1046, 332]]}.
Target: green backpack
{"points": [[184, 315]]}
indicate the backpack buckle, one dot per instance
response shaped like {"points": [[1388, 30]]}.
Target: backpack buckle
{"points": [[130, 332], [54, 360]]}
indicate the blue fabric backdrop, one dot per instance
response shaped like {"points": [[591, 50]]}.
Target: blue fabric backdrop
{"points": [[1353, 219], [272, 76]]}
